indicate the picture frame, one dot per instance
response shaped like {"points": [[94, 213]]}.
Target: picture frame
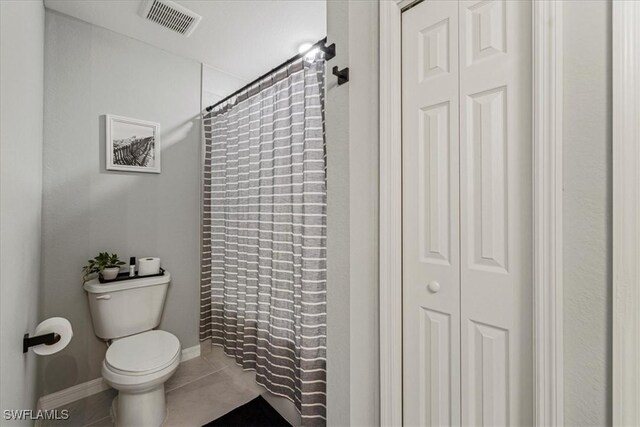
{"points": [[132, 145]]}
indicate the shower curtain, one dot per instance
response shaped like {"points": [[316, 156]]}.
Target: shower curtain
{"points": [[263, 289]]}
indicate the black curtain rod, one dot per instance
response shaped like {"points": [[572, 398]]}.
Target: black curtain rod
{"points": [[329, 52]]}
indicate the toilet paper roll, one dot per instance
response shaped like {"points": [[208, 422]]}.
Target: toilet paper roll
{"points": [[60, 326], [148, 266]]}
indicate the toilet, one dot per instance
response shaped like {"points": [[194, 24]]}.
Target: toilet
{"points": [[139, 359]]}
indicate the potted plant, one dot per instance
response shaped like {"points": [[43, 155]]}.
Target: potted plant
{"points": [[106, 264]]}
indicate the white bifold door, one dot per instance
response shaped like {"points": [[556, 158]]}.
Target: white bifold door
{"points": [[467, 213]]}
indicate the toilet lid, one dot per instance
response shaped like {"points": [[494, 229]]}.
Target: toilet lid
{"points": [[146, 352]]}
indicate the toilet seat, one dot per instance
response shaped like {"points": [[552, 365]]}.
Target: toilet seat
{"points": [[142, 354]]}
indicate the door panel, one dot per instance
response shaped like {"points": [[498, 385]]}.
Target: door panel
{"points": [[495, 213], [487, 398], [431, 317]]}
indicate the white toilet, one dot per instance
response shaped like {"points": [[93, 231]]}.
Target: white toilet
{"points": [[139, 360]]}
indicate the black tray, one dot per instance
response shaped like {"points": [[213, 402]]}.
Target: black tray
{"points": [[125, 276]]}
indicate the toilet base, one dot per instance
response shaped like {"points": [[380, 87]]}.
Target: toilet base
{"points": [[140, 409]]}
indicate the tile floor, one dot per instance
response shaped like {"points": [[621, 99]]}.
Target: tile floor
{"points": [[201, 390]]}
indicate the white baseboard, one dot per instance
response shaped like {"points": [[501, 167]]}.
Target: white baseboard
{"points": [[190, 353], [71, 394], [98, 385]]}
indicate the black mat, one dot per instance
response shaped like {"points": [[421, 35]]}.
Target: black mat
{"points": [[257, 413]]}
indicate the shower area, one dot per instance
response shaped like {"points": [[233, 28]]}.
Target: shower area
{"points": [[263, 255]]}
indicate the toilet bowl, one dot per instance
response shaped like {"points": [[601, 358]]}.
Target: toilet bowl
{"points": [[140, 358], [138, 366]]}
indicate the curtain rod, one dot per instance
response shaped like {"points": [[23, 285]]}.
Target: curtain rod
{"points": [[329, 51]]}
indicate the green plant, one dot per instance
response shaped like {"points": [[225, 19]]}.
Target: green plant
{"points": [[99, 263]]}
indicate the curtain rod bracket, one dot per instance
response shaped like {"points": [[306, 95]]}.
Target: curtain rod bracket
{"points": [[343, 75], [329, 51]]}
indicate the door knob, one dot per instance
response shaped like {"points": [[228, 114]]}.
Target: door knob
{"points": [[434, 286]]}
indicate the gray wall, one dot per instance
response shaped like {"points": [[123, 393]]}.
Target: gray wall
{"points": [[352, 217], [217, 85], [587, 212], [89, 72], [21, 93]]}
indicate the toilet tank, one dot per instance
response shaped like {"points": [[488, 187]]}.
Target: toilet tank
{"points": [[127, 307]]}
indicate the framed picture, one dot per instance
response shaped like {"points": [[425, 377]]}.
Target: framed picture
{"points": [[132, 145]]}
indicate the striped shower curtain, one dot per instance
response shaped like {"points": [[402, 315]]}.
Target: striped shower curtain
{"points": [[263, 289]]}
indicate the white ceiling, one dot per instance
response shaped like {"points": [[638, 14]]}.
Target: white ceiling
{"points": [[244, 38]]}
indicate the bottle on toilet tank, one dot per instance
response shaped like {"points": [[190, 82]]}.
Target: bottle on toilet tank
{"points": [[132, 266]]}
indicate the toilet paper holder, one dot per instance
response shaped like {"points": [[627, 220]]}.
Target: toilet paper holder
{"points": [[47, 339]]}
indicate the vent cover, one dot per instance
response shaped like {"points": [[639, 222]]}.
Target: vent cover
{"points": [[171, 15]]}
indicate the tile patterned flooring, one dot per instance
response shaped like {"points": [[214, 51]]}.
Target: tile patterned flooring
{"points": [[201, 390]]}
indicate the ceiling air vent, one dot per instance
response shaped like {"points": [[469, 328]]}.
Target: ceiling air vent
{"points": [[171, 15]]}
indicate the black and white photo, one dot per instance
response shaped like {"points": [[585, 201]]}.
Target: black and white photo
{"points": [[132, 145]]}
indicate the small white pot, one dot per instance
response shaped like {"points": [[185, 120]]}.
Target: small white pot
{"points": [[110, 273]]}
